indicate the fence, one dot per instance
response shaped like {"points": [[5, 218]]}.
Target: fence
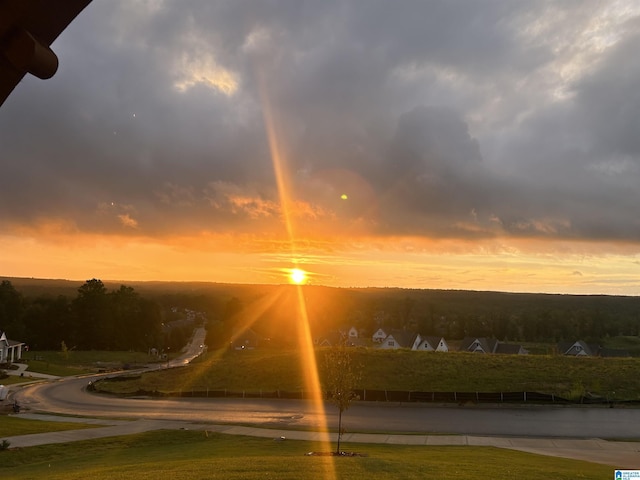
{"points": [[383, 396]]}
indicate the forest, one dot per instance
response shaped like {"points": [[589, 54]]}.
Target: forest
{"points": [[454, 314], [96, 315], [96, 319]]}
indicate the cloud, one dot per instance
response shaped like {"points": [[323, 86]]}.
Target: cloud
{"points": [[473, 120], [128, 221]]}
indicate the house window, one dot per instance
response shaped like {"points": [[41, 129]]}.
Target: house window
{"points": [[392, 343]]}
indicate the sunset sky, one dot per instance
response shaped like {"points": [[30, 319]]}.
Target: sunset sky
{"points": [[485, 145]]}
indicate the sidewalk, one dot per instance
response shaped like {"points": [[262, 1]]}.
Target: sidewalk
{"points": [[625, 455], [22, 371]]}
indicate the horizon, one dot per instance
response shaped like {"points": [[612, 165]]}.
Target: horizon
{"points": [[111, 282], [433, 145]]}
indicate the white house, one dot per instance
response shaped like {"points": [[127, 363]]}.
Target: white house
{"points": [[379, 336], [10, 350], [578, 349], [478, 345], [352, 333], [433, 344], [401, 339], [491, 345]]}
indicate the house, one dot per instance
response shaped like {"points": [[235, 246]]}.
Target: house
{"points": [[10, 350], [582, 349], [352, 333], [478, 345], [401, 339], [491, 345], [433, 344], [578, 349], [379, 336]]}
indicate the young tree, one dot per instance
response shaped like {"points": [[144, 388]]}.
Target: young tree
{"points": [[342, 375]]}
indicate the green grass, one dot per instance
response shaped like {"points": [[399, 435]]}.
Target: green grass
{"points": [[79, 362], [15, 379], [271, 370], [13, 426], [193, 455]]}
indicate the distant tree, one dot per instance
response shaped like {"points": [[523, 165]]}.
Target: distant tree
{"points": [[47, 321], [341, 378], [92, 317], [135, 323], [11, 309]]}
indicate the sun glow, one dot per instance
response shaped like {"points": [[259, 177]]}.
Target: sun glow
{"points": [[298, 276]]}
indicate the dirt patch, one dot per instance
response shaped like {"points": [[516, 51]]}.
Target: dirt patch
{"points": [[336, 454]]}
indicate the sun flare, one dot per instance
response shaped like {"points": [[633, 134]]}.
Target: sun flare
{"points": [[297, 276]]}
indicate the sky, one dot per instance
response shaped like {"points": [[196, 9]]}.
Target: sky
{"points": [[480, 145]]}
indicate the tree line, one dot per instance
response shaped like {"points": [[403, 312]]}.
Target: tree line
{"points": [[122, 319], [453, 314], [96, 319]]}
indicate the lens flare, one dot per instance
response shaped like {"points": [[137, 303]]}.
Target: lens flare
{"points": [[297, 276]]}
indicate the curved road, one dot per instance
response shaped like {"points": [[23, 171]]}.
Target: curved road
{"points": [[68, 396]]}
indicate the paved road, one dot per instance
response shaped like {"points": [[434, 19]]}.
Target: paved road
{"points": [[616, 454], [68, 396], [560, 431]]}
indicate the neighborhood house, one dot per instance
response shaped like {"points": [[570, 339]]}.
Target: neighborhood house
{"points": [[10, 350]]}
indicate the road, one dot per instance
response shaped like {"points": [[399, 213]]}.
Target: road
{"points": [[69, 396]]}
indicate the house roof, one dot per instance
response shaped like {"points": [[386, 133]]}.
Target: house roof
{"points": [[488, 345], [433, 341], [10, 343], [574, 348], [509, 349], [403, 338]]}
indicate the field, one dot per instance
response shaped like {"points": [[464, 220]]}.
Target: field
{"points": [[12, 426], [191, 454], [80, 362], [194, 455], [270, 370]]}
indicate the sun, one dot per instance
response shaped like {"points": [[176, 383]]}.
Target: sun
{"points": [[297, 276]]}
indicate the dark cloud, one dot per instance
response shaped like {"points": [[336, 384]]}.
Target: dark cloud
{"points": [[450, 119]]}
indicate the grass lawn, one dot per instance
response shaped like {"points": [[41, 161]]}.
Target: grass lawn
{"points": [[13, 426], [79, 362], [193, 455], [272, 369], [15, 379]]}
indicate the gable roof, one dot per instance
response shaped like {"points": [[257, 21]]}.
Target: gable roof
{"points": [[403, 338], [9, 343], [379, 333], [433, 341], [578, 348], [477, 344]]}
